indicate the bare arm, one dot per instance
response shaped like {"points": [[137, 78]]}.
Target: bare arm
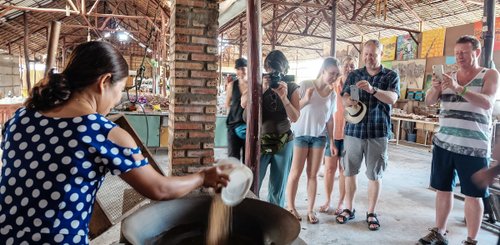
{"points": [[155, 186], [292, 107], [229, 95], [307, 97], [486, 98], [432, 95], [330, 127], [386, 96]]}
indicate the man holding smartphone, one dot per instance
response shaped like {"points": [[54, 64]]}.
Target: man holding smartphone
{"points": [[378, 88], [463, 143]]}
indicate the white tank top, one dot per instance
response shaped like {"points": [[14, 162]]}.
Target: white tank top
{"points": [[315, 115]]}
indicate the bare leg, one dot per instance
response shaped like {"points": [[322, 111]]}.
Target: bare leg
{"points": [[373, 195], [341, 188], [473, 214], [330, 170], [298, 161], [313, 163], [444, 205], [350, 190]]}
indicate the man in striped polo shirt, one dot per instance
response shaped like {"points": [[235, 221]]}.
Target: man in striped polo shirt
{"points": [[463, 142]]}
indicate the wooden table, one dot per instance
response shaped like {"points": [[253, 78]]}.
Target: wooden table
{"points": [[398, 126]]}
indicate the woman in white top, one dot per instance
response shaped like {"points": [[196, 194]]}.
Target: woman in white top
{"points": [[332, 162], [317, 105]]}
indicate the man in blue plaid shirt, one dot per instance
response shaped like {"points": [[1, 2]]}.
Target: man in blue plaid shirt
{"points": [[378, 89]]}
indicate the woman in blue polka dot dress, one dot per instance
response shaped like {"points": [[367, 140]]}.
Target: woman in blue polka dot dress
{"points": [[58, 148]]}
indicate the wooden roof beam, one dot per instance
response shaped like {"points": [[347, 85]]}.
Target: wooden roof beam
{"points": [[315, 36], [356, 13], [298, 5], [379, 25], [45, 10]]}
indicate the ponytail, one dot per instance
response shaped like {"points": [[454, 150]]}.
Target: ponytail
{"points": [[49, 92]]}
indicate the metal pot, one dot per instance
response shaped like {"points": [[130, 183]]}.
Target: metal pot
{"points": [[185, 220]]}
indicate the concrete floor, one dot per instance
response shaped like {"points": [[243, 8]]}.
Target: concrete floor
{"points": [[405, 209]]}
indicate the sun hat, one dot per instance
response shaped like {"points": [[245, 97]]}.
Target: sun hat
{"points": [[355, 113]]}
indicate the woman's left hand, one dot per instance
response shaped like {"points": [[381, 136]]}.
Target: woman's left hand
{"points": [[333, 149], [282, 90]]}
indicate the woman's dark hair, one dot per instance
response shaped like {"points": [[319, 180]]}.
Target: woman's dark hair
{"points": [[276, 61], [86, 64]]}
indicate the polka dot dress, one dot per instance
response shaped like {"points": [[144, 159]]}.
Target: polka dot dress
{"points": [[52, 169]]}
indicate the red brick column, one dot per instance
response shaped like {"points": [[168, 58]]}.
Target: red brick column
{"points": [[193, 98]]}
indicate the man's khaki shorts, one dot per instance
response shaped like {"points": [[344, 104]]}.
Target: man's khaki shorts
{"points": [[373, 150]]}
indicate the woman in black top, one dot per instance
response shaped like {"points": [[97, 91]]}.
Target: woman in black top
{"points": [[236, 127]]}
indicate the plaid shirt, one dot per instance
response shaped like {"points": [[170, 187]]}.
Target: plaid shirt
{"points": [[377, 121]]}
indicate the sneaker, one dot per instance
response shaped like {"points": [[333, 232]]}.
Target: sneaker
{"points": [[433, 238], [469, 241]]}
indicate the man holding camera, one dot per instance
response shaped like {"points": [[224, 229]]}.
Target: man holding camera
{"points": [[463, 143], [377, 88], [236, 127]]}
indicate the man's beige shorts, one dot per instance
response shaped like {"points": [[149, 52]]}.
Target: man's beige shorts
{"points": [[373, 150]]}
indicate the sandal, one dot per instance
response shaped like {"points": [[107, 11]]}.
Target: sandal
{"points": [[311, 218], [372, 222], [295, 214], [342, 219], [324, 209]]}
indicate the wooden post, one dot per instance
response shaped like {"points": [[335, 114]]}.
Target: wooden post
{"points": [[53, 38], [333, 44], [26, 52], [252, 151], [489, 32], [241, 40]]}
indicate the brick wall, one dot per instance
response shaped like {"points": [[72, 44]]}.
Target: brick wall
{"points": [[193, 50]]}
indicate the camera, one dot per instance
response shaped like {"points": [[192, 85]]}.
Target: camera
{"points": [[276, 77]]}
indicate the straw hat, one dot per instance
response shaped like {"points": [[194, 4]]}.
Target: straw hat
{"points": [[354, 114]]}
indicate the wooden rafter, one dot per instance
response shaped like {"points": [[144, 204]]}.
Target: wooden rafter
{"points": [[357, 12]]}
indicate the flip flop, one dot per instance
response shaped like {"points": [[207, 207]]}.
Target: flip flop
{"points": [[295, 213], [311, 218], [324, 209]]}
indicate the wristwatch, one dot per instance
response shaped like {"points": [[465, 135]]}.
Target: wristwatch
{"points": [[375, 90]]}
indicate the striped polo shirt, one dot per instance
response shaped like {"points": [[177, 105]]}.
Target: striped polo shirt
{"points": [[464, 128]]}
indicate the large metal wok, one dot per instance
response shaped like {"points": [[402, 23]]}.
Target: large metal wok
{"points": [[184, 221]]}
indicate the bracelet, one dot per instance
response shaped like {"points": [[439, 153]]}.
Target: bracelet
{"points": [[463, 91]]}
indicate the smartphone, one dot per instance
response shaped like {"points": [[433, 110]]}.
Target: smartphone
{"points": [[438, 71], [354, 92]]}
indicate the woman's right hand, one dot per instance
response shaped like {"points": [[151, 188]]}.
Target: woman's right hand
{"points": [[216, 176], [265, 83]]}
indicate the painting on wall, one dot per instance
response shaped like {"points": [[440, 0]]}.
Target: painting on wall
{"points": [[406, 48], [478, 32], [387, 64], [451, 64], [388, 48], [428, 82], [433, 43], [411, 72]]}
